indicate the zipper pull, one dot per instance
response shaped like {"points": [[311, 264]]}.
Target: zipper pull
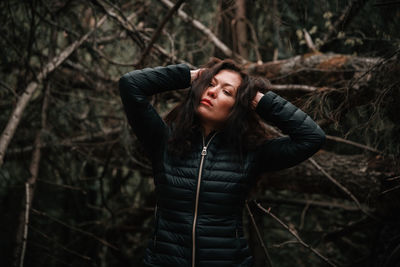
{"points": [[204, 152]]}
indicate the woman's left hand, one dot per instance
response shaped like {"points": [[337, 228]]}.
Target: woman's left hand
{"points": [[256, 99]]}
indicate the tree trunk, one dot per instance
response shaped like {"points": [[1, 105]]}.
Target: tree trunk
{"points": [[241, 28]]}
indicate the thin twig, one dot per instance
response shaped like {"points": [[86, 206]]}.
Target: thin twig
{"points": [[333, 180], [138, 37], [311, 203], [345, 141], [393, 178], [259, 235], [343, 188], [60, 245], [55, 62], [303, 215], [295, 234], [9, 88], [285, 243], [104, 242], [390, 190], [201, 27], [157, 32], [63, 186]]}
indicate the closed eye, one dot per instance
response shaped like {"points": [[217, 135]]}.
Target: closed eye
{"points": [[227, 92]]}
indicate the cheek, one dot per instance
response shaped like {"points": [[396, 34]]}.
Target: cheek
{"points": [[228, 104]]}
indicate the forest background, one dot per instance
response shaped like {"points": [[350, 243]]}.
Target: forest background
{"points": [[75, 189]]}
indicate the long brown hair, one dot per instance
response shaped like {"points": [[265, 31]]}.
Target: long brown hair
{"points": [[242, 129]]}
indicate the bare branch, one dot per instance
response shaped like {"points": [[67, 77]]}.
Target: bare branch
{"points": [[344, 189], [309, 41], [315, 62], [30, 184], [259, 235], [137, 36], [102, 241], [311, 203], [157, 33], [339, 185], [201, 27], [345, 141], [299, 87], [16, 116], [53, 240], [293, 232], [122, 20]]}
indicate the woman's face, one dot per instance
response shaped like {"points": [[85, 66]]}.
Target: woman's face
{"points": [[218, 99]]}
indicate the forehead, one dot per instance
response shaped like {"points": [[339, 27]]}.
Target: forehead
{"points": [[229, 77]]}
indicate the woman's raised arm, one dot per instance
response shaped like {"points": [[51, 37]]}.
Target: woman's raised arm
{"points": [[136, 86], [304, 138]]}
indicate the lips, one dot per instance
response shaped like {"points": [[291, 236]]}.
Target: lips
{"points": [[206, 101]]}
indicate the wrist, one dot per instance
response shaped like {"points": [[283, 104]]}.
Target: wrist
{"points": [[257, 99], [194, 74]]}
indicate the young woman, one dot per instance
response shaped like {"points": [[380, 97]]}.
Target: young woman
{"points": [[207, 154]]}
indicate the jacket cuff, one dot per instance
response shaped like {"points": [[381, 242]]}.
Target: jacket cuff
{"points": [[186, 74], [264, 106]]}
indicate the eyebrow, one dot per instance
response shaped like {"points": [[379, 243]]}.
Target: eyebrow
{"points": [[224, 83]]}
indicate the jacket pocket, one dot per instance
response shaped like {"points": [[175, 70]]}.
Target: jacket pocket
{"points": [[237, 244], [237, 238]]}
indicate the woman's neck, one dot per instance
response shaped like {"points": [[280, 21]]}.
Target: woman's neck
{"points": [[207, 130]]}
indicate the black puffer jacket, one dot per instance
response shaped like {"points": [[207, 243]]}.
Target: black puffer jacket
{"points": [[200, 198]]}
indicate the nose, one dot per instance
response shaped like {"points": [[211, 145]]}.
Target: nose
{"points": [[212, 91]]}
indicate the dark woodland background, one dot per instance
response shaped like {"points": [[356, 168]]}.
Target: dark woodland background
{"points": [[75, 189]]}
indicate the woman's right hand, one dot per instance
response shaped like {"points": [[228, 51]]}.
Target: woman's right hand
{"points": [[194, 74]]}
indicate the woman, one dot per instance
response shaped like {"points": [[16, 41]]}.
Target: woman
{"points": [[207, 154]]}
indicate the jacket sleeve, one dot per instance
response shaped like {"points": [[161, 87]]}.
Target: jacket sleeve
{"points": [[304, 138], [136, 86]]}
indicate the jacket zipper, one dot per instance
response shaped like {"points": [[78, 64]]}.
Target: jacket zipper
{"points": [[203, 154]]}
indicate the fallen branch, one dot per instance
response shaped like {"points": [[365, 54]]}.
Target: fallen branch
{"points": [[344, 189], [295, 234], [298, 87], [316, 62], [334, 181]]}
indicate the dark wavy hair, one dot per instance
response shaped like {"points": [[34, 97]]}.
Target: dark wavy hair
{"points": [[241, 129]]}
